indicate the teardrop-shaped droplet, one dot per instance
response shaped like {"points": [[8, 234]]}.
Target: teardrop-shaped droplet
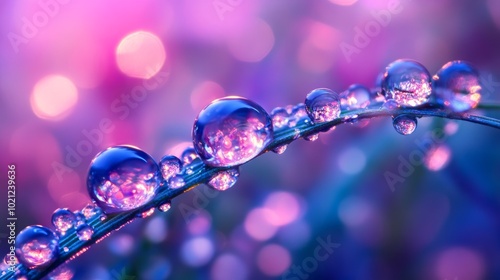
{"points": [[405, 124], [280, 149], [36, 246], [231, 131], [84, 232], [122, 178], [63, 219], [312, 137], [408, 82], [147, 213], [165, 207], [322, 105], [170, 166], [224, 179], [188, 155], [457, 86], [176, 182], [279, 117], [90, 210], [355, 97]]}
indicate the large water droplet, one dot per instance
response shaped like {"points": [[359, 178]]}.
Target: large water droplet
{"points": [[279, 117], [322, 105], [170, 166], [408, 82], [231, 131], [122, 178], [405, 124], [36, 246], [224, 179], [84, 232], [63, 219], [457, 86], [355, 97]]}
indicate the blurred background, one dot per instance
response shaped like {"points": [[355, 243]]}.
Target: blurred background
{"points": [[362, 202]]}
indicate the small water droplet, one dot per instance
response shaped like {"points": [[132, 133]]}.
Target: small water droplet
{"points": [[79, 218], [322, 105], [165, 207], [408, 82], [36, 246], [122, 178], [170, 166], [390, 104], [355, 97], [63, 220], [176, 182], [61, 273], [188, 155], [66, 249], [231, 131], [405, 124], [224, 179], [84, 232], [298, 114], [280, 149], [312, 137], [20, 276], [147, 213], [90, 210], [457, 86], [279, 117]]}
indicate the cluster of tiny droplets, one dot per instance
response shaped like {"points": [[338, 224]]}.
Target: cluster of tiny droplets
{"points": [[229, 132]]}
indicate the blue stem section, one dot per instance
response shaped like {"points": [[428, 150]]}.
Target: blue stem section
{"points": [[202, 173]]}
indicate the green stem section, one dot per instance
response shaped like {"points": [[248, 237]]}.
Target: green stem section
{"points": [[71, 247]]}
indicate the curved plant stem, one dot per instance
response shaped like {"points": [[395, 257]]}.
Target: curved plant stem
{"points": [[71, 247]]}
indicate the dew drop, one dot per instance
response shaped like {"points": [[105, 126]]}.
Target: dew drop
{"points": [[63, 219], [407, 82], [355, 97], [298, 113], [176, 182], [390, 104], [122, 178], [457, 86], [231, 131], [224, 179], [188, 155], [279, 117], [36, 246], [165, 207], [66, 249], [405, 124], [169, 166], [147, 213], [312, 137], [90, 210], [84, 232], [280, 149], [79, 218], [322, 105]]}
